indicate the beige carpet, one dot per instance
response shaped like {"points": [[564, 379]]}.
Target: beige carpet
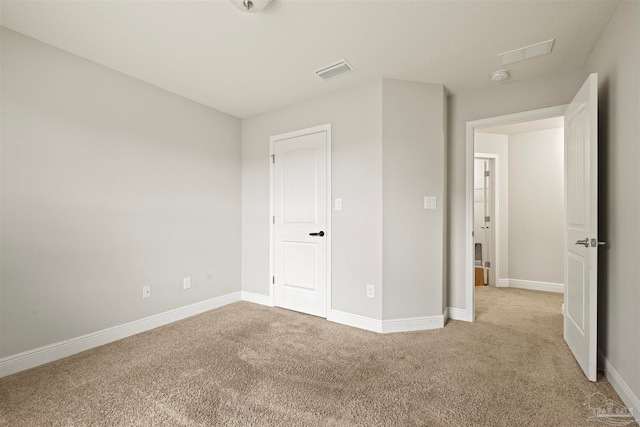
{"points": [[248, 365]]}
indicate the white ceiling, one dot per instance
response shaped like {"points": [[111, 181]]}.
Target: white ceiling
{"points": [[245, 64]]}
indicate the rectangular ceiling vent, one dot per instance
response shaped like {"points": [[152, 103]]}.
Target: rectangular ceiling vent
{"points": [[335, 69], [526, 52]]}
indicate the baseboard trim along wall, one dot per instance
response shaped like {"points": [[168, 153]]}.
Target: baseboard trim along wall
{"points": [[256, 298], [388, 326], [458, 314], [356, 321], [531, 285], [39, 356], [630, 399]]}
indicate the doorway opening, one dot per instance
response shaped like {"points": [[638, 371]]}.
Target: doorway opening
{"points": [[485, 210], [492, 154]]}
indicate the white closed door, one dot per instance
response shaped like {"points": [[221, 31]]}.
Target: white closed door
{"points": [[300, 223], [581, 261]]}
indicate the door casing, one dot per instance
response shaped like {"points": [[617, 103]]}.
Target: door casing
{"points": [[272, 140]]}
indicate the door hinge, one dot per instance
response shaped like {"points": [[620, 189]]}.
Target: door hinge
{"points": [[487, 173], [487, 219], [274, 219], [273, 158], [273, 280], [487, 264]]}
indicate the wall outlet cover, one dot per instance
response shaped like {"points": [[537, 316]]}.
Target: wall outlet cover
{"points": [[371, 291]]}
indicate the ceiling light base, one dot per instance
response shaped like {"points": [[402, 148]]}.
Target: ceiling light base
{"points": [[251, 6]]}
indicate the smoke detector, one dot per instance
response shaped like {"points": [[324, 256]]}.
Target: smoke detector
{"points": [[335, 69], [500, 75]]}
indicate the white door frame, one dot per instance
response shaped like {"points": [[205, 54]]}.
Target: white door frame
{"points": [[272, 140], [525, 116], [495, 218]]}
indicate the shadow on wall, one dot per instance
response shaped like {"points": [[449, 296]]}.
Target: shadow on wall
{"points": [[603, 217]]}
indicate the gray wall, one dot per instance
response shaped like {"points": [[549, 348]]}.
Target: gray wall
{"points": [[108, 184], [501, 99], [413, 167], [375, 180], [489, 143], [616, 60], [355, 116], [536, 206]]}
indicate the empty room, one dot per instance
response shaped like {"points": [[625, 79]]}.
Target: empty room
{"points": [[266, 213]]}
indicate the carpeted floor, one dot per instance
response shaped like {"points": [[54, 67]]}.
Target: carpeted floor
{"points": [[249, 365]]}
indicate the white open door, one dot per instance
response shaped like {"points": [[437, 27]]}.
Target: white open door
{"points": [[581, 260], [300, 221]]}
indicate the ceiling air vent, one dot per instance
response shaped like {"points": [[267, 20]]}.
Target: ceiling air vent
{"points": [[334, 69], [526, 52]]}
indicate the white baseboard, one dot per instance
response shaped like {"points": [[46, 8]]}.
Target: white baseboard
{"points": [[413, 324], [388, 326], [458, 314], [356, 321], [503, 283], [256, 298], [32, 358], [533, 285], [630, 399]]}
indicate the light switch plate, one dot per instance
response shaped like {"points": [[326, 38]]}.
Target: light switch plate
{"points": [[338, 204], [430, 202]]}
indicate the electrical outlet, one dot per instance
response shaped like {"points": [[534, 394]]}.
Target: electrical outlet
{"points": [[370, 291], [146, 291], [186, 283]]}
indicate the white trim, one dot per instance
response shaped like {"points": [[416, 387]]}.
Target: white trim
{"points": [[534, 285], [630, 399], [327, 129], [389, 326], [294, 134], [458, 314], [503, 283], [413, 324], [524, 116], [356, 321], [32, 358], [256, 298]]}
